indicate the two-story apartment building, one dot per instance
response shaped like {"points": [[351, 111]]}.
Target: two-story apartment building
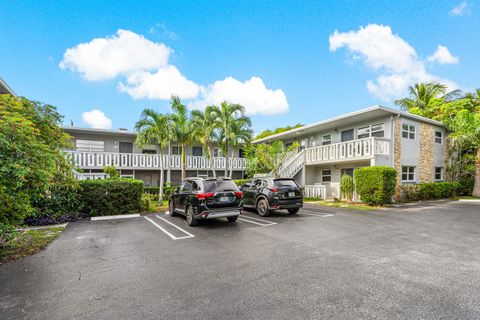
{"points": [[415, 146], [93, 149]]}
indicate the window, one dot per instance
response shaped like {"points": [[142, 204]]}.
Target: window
{"points": [[408, 173], [326, 175], [378, 130], [408, 131], [195, 186], [176, 150], [217, 152], [348, 172], [438, 173], [126, 147], [90, 145], [149, 151], [197, 151], [347, 135], [363, 132], [186, 186], [438, 137], [326, 139]]}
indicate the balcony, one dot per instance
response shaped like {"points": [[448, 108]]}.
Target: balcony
{"points": [[361, 149], [135, 161]]}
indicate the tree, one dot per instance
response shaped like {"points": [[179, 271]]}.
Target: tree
{"points": [[181, 128], [467, 131], [204, 132], [271, 157], [423, 94], [224, 117], [31, 155], [154, 128], [111, 171], [240, 134], [267, 133]]}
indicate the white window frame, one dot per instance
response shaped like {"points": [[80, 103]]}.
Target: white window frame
{"points": [[326, 139], [435, 174], [366, 134], [179, 150], [217, 152], [410, 170], [90, 143], [438, 140], [201, 148], [369, 130], [326, 175], [411, 129]]}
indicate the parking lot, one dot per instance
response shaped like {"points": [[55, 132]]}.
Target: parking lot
{"points": [[416, 262]]}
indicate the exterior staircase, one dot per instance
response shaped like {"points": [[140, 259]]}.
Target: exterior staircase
{"points": [[292, 165]]}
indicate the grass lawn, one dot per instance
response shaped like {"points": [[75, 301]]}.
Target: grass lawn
{"points": [[28, 242], [465, 197], [341, 204], [158, 207]]}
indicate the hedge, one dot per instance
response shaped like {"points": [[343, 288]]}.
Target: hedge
{"points": [[430, 191], [167, 190], [111, 196], [375, 185]]}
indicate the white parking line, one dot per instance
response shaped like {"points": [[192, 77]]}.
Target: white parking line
{"points": [[324, 215], [184, 231], [168, 233], [268, 223]]}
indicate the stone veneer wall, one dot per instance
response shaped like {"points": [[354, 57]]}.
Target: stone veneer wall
{"points": [[397, 153], [425, 161]]}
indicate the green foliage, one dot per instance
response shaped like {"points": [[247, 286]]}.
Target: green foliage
{"points": [[31, 155], [267, 133], [167, 190], [112, 172], [347, 187], [270, 157], [430, 191], [146, 201], [375, 185], [7, 234], [241, 182], [110, 197]]}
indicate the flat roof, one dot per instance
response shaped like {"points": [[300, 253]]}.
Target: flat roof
{"points": [[347, 119], [73, 129]]}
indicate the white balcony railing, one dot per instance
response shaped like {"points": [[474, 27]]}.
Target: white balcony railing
{"points": [[97, 160], [350, 150], [315, 191]]}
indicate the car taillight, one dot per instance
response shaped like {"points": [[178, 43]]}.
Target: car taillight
{"points": [[203, 196], [274, 189], [239, 194]]}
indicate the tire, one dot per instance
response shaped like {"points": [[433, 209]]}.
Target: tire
{"points": [[191, 221], [262, 208], [232, 219], [171, 208], [293, 211]]}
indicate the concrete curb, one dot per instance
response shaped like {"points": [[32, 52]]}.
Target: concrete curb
{"points": [[63, 225], [115, 217], [469, 200]]}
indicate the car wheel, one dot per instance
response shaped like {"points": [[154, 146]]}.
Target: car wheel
{"points": [[171, 208], [293, 211], [262, 208], [232, 219], [191, 221]]}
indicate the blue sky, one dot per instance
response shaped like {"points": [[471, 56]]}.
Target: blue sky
{"points": [[286, 61]]}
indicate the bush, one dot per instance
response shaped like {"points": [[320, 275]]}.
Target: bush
{"points": [[430, 191], [111, 196], [146, 201], [7, 234], [347, 187], [111, 171], [241, 182], [375, 185], [167, 190]]}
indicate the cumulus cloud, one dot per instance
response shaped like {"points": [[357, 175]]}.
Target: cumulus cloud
{"points": [[121, 54], [461, 9], [393, 58], [97, 119], [443, 56], [252, 94]]}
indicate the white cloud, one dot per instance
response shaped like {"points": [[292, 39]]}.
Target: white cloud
{"points": [[121, 54], [443, 56], [252, 94], [461, 10], [97, 119], [161, 84], [393, 58]]}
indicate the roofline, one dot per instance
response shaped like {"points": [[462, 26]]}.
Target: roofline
{"points": [[348, 115], [4, 84], [126, 132]]}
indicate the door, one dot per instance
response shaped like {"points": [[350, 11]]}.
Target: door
{"points": [[347, 135], [347, 171], [250, 194], [185, 192], [126, 147]]}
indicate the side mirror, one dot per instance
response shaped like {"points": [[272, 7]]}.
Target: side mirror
{"points": [[245, 186]]}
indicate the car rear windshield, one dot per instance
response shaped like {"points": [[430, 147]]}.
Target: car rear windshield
{"points": [[284, 183], [219, 185]]}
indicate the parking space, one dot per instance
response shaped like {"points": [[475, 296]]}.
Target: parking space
{"points": [[321, 263]]}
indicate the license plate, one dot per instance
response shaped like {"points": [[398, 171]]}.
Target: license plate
{"points": [[223, 199], [291, 194]]}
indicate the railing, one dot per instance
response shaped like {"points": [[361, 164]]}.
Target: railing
{"points": [[97, 160], [315, 191], [350, 150], [293, 165], [89, 176]]}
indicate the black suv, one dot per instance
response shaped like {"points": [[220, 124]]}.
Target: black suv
{"points": [[201, 199], [268, 194]]}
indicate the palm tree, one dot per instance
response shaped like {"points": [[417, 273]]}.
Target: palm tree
{"points": [[241, 133], [154, 128], [204, 130], [422, 94], [466, 127], [181, 128], [224, 116]]}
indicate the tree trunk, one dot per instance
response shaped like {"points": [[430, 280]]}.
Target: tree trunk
{"points": [[160, 190], [184, 170], [212, 162], [226, 160], [231, 167], [476, 186]]}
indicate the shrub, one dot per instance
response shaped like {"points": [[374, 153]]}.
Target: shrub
{"points": [[430, 191], [146, 201], [7, 234], [111, 171], [375, 185], [347, 187], [167, 190], [241, 182], [111, 196]]}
